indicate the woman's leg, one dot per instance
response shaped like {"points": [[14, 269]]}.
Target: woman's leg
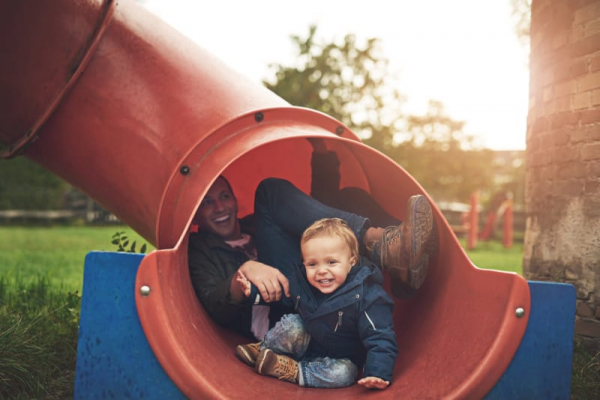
{"points": [[282, 213], [358, 201]]}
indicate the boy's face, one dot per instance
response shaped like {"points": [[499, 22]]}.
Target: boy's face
{"points": [[218, 212], [328, 261]]}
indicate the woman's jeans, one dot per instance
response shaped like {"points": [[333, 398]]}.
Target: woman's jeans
{"points": [[289, 337], [282, 212]]}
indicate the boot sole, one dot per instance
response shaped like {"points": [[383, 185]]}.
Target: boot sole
{"points": [[421, 240]]}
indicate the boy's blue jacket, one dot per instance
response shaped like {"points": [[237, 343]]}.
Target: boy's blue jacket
{"points": [[354, 320]]}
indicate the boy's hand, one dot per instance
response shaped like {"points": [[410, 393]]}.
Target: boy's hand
{"points": [[372, 382], [244, 283]]}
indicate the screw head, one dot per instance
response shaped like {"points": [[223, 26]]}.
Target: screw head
{"points": [[520, 312], [259, 116], [339, 130], [145, 290], [184, 170]]}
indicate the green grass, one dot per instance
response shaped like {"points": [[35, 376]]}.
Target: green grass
{"points": [[493, 255], [54, 253]]}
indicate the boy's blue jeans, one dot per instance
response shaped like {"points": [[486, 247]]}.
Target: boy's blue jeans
{"points": [[289, 337], [282, 212]]}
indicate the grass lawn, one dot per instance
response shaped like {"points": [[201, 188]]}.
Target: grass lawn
{"points": [[493, 255], [55, 253]]}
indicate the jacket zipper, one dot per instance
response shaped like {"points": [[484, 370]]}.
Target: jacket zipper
{"points": [[339, 321]]}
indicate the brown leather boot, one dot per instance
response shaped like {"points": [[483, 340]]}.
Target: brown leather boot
{"points": [[278, 366], [404, 251]]}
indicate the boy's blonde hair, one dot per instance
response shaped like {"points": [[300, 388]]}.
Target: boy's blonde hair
{"points": [[332, 227]]}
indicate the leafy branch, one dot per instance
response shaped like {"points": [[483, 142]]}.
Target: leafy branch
{"points": [[121, 240]]}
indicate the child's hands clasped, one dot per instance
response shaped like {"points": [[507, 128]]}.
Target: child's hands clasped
{"points": [[372, 382]]}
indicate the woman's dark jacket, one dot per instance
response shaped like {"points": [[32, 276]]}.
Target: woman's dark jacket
{"points": [[213, 263]]}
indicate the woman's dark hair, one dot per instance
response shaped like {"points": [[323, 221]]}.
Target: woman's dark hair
{"points": [[227, 182]]}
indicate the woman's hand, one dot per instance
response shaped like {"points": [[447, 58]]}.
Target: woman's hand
{"points": [[372, 382], [270, 282]]}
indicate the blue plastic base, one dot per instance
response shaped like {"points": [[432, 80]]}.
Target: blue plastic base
{"points": [[114, 359], [541, 368]]}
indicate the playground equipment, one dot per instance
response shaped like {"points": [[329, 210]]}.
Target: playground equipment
{"points": [[473, 218], [502, 209], [122, 106]]}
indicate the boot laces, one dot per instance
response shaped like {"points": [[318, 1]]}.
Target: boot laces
{"points": [[390, 236], [287, 369]]}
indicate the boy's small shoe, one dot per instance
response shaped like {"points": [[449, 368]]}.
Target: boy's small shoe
{"points": [[281, 367], [248, 353]]}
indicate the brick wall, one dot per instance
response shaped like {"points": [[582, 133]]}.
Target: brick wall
{"points": [[562, 194]]}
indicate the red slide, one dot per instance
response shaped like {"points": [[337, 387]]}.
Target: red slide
{"points": [[110, 98]]}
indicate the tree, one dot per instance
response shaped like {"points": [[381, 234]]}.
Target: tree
{"points": [[443, 158], [351, 82]]}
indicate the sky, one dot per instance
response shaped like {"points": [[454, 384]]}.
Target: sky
{"points": [[463, 53]]}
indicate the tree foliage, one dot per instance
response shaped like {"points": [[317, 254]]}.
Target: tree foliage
{"points": [[350, 80], [442, 157]]}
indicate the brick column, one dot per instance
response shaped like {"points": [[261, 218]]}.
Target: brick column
{"points": [[562, 194]]}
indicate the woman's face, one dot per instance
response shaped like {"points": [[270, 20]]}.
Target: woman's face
{"points": [[218, 212]]}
